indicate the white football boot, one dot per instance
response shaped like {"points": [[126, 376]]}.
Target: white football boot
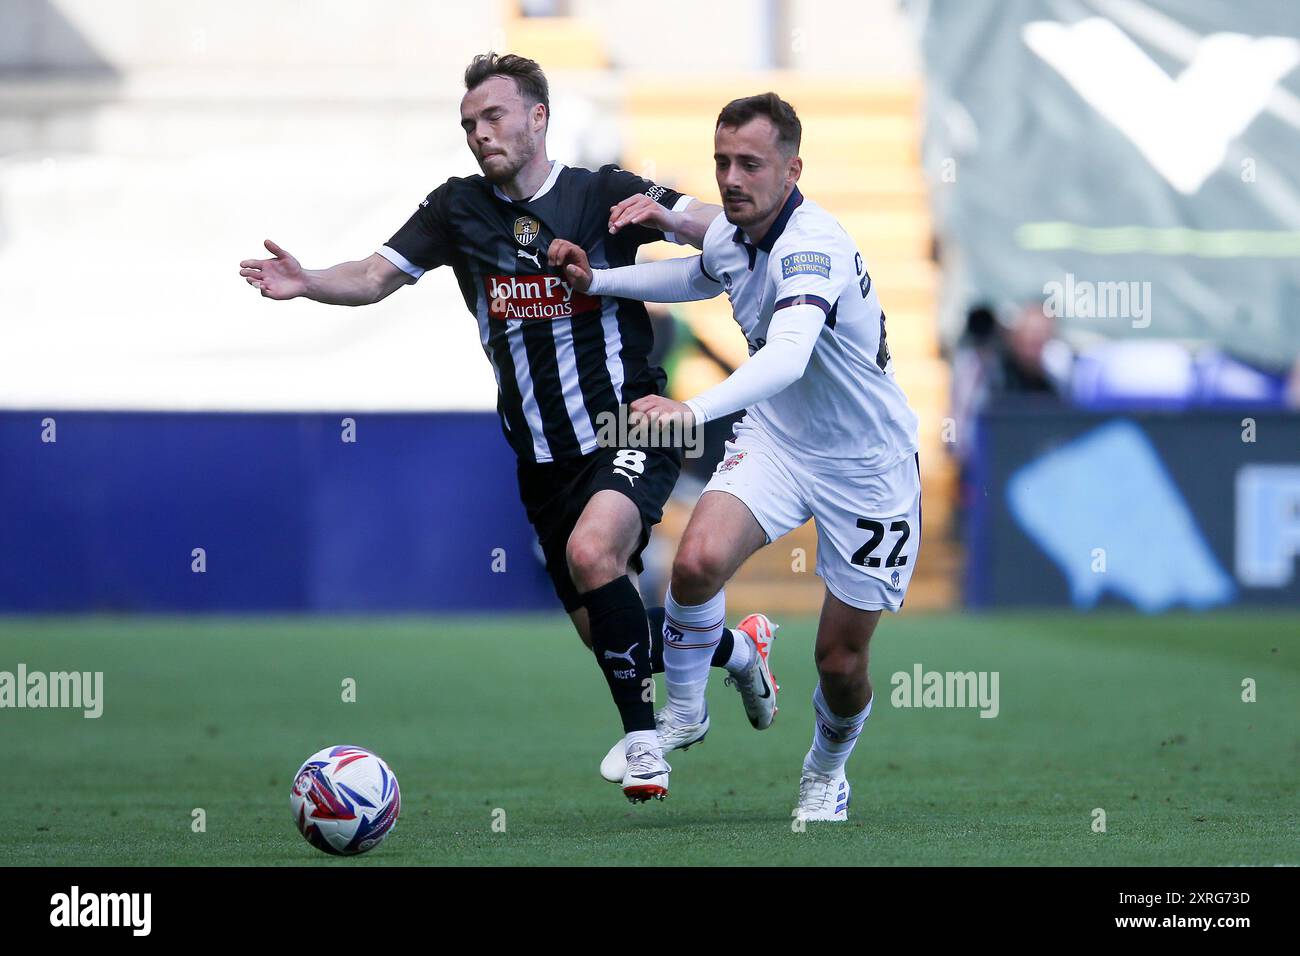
{"points": [[647, 773], [822, 797], [756, 684], [671, 737]]}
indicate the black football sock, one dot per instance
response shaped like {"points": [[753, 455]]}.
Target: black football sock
{"points": [[655, 615], [620, 641]]}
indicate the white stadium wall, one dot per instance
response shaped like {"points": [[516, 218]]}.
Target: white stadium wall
{"points": [[147, 147]]}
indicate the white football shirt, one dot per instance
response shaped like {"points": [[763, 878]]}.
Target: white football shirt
{"points": [[846, 411]]}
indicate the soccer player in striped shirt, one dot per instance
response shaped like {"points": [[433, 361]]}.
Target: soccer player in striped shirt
{"points": [[562, 359]]}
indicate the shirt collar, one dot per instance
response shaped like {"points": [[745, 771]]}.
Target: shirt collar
{"points": [[792, 202], [556, 168]]}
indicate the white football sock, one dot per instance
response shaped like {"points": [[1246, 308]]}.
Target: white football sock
{"points": [[690, 635], [742, 652], [648, 737], [833, 736]]}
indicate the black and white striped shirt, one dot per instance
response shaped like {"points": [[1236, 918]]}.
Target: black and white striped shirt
{"points": [[561, 358]]}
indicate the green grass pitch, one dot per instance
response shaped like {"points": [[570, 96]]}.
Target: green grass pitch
{"points": [[1139, 716]]}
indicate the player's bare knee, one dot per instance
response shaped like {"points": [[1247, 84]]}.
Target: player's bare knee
{"points": [[841, 666], [698, 574], [592, 562]]}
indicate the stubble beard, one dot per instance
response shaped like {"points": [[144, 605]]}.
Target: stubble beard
{"points": [[524, 149]]}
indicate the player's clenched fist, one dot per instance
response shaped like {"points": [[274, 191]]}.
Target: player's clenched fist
{"points": [[571, 262], [279, 278]]}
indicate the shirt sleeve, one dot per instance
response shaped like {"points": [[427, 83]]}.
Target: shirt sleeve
{"points": [[619, 184], [808, 289], [425, 240], [791, 337], [669, 280]]}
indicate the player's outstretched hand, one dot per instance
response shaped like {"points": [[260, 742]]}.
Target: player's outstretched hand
{"points": [[641, 210], [279, 278], [571, 262]]}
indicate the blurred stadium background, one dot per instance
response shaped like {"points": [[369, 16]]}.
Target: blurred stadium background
{"points": [[1083, 217]]}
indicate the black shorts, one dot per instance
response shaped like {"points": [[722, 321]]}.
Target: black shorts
{"points": [[555, 493]]}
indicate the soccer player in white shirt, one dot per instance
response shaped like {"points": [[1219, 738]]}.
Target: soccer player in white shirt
{"points": [[828, 432]]}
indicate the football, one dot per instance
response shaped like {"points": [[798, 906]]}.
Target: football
{"points": [[345, 800]]}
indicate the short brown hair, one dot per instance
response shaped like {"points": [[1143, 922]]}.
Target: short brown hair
{"points": [[528, 76], [789, 130]]}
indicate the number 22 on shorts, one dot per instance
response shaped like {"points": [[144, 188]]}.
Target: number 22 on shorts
{"points": [[864, 557]]}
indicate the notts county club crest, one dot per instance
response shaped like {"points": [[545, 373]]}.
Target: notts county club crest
{"points": [[526, 228]]}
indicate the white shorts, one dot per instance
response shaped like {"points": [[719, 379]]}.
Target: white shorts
{"points": [[868, 526]]}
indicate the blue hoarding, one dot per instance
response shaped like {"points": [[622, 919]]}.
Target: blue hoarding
{"points": [[287, 513], [1152, 511]]}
